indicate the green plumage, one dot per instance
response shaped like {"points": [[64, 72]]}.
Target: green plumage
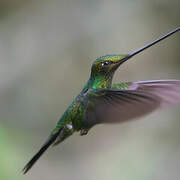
{"points": [[100, 101], [75, 113], [121, 86]]}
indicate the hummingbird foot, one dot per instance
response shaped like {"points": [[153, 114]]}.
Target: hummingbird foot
{"points": [[83, 132]]}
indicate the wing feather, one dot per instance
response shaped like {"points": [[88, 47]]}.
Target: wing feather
{"points": [[167, 90], [132, 100]]}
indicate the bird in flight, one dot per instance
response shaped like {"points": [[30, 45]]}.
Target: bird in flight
{"points": [[100, 101]]}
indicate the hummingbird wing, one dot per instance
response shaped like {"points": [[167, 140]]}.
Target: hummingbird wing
{"points": [[167, 90], [129, 100]]}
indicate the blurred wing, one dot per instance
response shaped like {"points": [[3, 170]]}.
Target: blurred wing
{"points": [[113, 106], [126, 101], [167, 90]]}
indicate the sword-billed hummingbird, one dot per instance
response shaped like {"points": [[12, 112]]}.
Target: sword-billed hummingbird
{"points": [[100, 101]]}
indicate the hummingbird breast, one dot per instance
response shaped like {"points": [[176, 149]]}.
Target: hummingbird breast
{"points": [[76, 113]]}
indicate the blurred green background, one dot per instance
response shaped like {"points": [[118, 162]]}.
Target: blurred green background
{"points": [[46, 50]]}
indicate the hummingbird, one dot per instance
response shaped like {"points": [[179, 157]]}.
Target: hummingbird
{"points": [[100, 101]]}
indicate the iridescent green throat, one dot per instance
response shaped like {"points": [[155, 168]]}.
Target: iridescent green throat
{"points": [[99, 82]]}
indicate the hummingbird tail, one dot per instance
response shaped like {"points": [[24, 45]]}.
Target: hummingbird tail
{"points": [[51, 139]]}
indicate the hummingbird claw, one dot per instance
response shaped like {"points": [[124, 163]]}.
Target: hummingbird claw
{"points": [[83, 132]]}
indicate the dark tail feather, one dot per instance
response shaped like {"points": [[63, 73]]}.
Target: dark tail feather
{"points": [[51, 139]]}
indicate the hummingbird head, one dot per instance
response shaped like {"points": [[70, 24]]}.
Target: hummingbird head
{"points": [[103, 68], [107, 65]]}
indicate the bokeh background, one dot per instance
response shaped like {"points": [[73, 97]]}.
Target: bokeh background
{"points": [[46, 50]]}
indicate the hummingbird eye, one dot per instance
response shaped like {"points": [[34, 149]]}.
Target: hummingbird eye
{"points": [[106, 63]]}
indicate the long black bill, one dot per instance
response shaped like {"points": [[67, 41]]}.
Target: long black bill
{"points": [[150, 44]]}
